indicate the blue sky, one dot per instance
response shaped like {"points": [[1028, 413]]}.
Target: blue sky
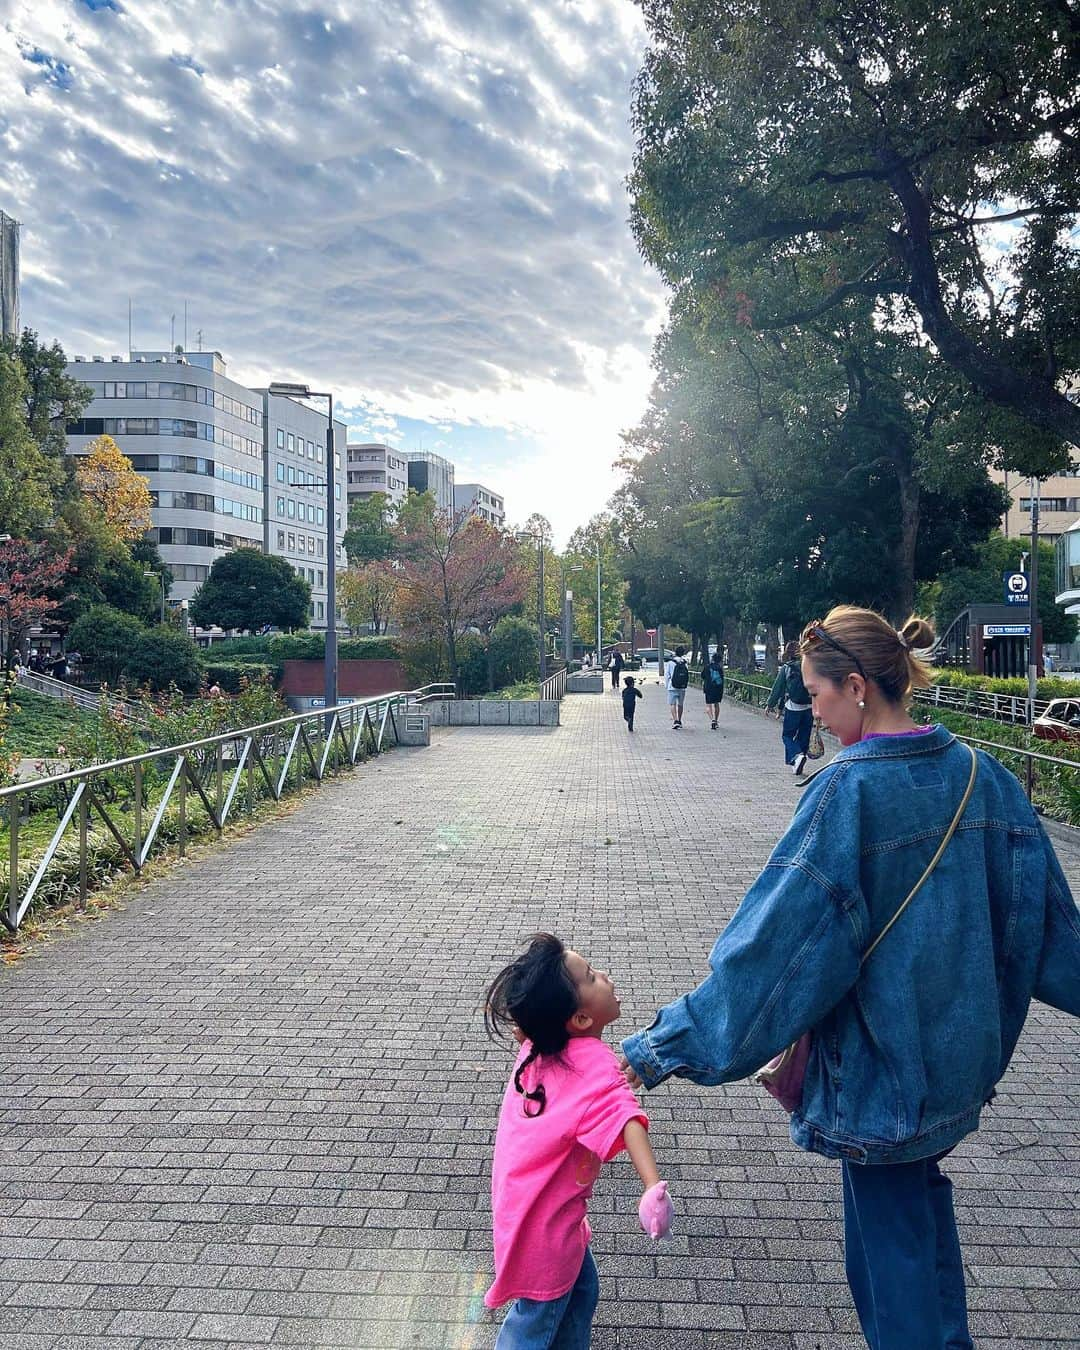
{"points": [[420, 205]]}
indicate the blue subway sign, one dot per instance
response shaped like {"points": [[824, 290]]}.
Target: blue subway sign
{"points": [[1017, 590]]}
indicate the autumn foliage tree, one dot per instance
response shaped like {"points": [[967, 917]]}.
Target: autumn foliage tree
{"points": [[106, 476], [368, 593], [456, 574], [30, 575]]}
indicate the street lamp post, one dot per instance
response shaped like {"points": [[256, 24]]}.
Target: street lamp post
{"points": [[539, 537], [161, 582], [330, 660], [598, 634]]}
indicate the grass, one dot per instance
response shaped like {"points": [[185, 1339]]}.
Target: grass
{"points": [[41, 724], [524, 689]]}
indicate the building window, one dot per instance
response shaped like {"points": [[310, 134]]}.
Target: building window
{"points": [[281, 538], [292, 443], [280, 473], [320, 576], [292, 540], [281, 506], [322, 610], [320, 548], [281, 438], [291, 507]]}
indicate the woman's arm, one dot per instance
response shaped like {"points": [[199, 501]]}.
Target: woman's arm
{"points": [[790, 954]]}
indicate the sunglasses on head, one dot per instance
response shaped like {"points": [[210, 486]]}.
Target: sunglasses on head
{"points": [[814, 632]]}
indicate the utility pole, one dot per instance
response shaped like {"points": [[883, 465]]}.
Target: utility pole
{"points": [[1033, 601]]}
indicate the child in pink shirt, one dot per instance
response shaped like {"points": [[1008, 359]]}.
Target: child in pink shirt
{"points": [[567, 1110]]}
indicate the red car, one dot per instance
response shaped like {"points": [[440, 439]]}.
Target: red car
{"points": [[1060, 721]]}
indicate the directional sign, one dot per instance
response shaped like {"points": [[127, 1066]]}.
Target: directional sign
{"points": [[1007, 630], [1016, 588]]}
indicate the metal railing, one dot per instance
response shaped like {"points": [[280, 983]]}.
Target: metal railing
{"points": [[74, 694], [554, 686], [1010, 708], [130, 799]]}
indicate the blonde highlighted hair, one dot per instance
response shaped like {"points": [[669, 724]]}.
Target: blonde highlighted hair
{"points": [[850, 640]]}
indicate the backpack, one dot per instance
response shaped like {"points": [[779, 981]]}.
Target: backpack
{"points": [[680, 676], [797, 692]]}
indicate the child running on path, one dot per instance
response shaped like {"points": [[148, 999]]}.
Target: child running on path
{"points": [[567, 1110], [630, 696]]}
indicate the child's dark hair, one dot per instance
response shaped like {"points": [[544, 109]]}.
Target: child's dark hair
{"points": [[629, 681], [537, 994]]}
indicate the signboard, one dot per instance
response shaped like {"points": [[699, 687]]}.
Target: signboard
{"points": [[1007, 630], [415, 723], [1016, 588], [321, 702]]}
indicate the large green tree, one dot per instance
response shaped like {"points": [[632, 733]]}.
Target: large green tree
{"points": [[798, 160], [370, 533], [247, 589]]}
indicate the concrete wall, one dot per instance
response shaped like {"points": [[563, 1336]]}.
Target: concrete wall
{"points": [[590, 683], [507, 712]]}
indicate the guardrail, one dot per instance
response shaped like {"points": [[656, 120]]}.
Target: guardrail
{"points": [[86, 699], [131, 798], [1009, 708], [554, 686]]}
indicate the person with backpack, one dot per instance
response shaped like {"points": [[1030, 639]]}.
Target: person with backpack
{"points": [[712, 682], [676, 679], [788, 689], [616, 668]]}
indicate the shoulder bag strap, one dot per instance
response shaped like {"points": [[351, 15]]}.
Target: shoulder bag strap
{"points": [[935, 859]]}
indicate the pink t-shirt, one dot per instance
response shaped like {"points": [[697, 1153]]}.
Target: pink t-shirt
{"points": [[545, 1167]]}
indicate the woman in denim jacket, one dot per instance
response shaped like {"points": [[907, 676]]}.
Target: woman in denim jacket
{"points": [[908, 1049]]}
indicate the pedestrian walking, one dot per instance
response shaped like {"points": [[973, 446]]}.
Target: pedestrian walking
{"points": [[790, 692], [630, 695], [911, 980], [616, 667], [676, 680], [712, 682], [566, 1111]]}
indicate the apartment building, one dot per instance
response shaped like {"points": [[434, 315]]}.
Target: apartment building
{"points": [[1059, 504], [473, 499], [373, 467]]}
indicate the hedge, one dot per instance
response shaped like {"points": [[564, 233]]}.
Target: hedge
{"points": [[229, 674]]}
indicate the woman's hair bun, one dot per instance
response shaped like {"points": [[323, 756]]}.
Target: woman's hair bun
{"points": [[917, 633]]}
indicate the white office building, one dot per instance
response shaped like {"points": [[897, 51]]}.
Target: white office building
{"points": [[377, 468], [474, 499], [296, 492], [228, 467], [428, 472]]}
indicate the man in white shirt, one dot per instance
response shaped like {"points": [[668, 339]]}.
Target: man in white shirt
{"points": [[676, 679]]}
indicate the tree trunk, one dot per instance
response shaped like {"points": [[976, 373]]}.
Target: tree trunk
{"points": [[772, 648], [741, 646], [903, 596]]}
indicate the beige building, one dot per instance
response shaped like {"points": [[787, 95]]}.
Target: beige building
{"points": [[1059, 504]]}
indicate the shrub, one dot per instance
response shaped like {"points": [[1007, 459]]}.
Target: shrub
{"points": [[104, 638], [231, 675], [514, 648], [312, 647], [163, 657]]}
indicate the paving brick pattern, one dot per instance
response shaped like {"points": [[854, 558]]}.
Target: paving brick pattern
{"points": [[256, 1107]]}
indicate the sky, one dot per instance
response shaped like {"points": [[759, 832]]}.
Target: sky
{"points": [[420, 205]]}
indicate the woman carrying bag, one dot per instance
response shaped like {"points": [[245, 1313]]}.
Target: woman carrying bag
{"points": [[906, 919]]}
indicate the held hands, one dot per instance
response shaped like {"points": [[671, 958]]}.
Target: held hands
{"points": [[629, 1073], [656, 1211]]}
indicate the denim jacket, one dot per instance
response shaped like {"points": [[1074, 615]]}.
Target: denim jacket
{"points": [[907, 1049]]}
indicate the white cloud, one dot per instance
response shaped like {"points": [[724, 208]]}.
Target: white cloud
{"points": [[420, 205]]}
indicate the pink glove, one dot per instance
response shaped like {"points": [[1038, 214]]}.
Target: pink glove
{"points": [[656, 1211]]}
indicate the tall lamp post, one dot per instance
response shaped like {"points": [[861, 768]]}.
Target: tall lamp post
{"points": [[598, 634], [539, 537], [148, 572], [568, 614], [330, 660]]}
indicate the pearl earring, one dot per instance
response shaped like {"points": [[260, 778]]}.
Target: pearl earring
{"points": [[862, 703]]}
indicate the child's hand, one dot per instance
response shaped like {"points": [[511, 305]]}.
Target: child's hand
{"points": [[656, 1211]]}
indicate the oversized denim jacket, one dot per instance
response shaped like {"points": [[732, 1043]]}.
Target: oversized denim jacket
{"points": [[907, 1049]]}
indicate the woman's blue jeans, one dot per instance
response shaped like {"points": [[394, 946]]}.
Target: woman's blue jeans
{"points": [[903, 1256], [796, 733], [554, 1324]]}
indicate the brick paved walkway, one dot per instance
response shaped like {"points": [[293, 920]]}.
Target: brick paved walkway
{"points": [[256, 1107]]}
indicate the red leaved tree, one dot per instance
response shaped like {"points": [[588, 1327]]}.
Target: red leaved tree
{"points": [[30, 576], [456, 574]]}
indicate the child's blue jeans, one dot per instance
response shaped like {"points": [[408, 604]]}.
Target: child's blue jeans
{"points": [[554, 1324], [903, 1256]]}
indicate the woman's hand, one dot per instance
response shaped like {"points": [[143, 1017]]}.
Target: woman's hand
{"points": [[629, 1072]]}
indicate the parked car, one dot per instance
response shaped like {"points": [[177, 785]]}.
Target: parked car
{"points": [[1060, 721], [648, 658]]}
